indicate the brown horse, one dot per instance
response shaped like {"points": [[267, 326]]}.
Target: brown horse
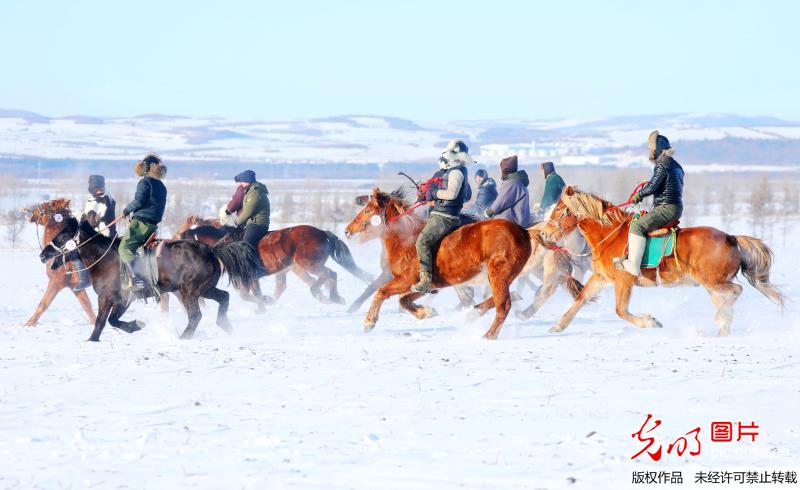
{"points": [[302, 249], [500, 246], [703, 255], [57, 279]]}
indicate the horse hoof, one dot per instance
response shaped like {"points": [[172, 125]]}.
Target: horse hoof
{"points": [[93, 339], [489, 336], [338, 300], [522, 315], [353, 309], [650, 322], [186, 335], [225, 325], [368, 327], [723, 333], [556, 329]]}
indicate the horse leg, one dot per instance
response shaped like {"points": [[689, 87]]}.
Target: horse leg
{"points": [[385, 277], [331, 283], [466, 296], [117, 310], [280, 283], [104, 305], [723, 296], [543, 293], [592, 287], [164, 303], [501, 275], [86, 304], [53, 288], [623, 285], [316, 287], [223, 298], [395, 286], [193, 311], [421, 312]]}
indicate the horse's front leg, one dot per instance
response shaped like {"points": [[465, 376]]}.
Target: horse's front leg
{"points": [[385, 277], [53, 287], [623, 284], [395, 286], [592, 287], [104, 305]]}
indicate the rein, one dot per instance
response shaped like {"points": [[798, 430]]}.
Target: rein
{"points": [[78, 244], [407, 211]]}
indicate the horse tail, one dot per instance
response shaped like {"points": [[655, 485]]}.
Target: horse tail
{"points": [[755, 262], [240, 261], [342, 256], [574, 287]]}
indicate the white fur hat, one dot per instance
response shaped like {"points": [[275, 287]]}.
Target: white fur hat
{"points": [[457, 152]]}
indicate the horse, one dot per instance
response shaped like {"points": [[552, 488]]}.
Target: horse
{"points": [[57, 279], [303, 249], [702, 256], [500, 246], [187, 268]]}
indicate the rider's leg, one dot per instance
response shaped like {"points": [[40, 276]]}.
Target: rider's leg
{"points": [[435, 229], [137, 235]]}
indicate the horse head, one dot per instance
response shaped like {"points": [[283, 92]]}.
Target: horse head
{"points": [[561, 221], [51, 215], [378, 209], [191, 222], [62, 239]]}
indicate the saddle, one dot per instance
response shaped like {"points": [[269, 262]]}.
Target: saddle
{"points": [[660, 245], [665, 229]]}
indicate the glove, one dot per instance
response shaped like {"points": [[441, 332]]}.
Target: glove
{"points": [[637, 198], [421, 192], [228, 211], [430, 194], [488, 213]]}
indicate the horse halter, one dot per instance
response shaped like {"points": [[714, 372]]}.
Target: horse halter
{"points": [[557, 223]]}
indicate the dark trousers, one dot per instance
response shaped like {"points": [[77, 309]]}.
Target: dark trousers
{"points": [[659, 216], [436, 228], [253, 234]]}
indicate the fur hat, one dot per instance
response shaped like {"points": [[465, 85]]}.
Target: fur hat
{"points": [[456, 153], [247, 176], [508, 165], [548, 168], [96, 183], [151, 165], [659, 145]]}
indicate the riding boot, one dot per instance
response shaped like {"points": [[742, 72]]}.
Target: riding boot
{"points": [[425, 284], [135, 281], [80, 275], [632, 265]]}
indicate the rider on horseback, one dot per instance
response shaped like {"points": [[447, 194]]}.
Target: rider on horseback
{"points": [[147, 209], [513, 200], [254, 214], [666, 187], [447, 200]]}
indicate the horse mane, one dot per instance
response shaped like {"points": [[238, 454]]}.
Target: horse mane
{"points": [[589, 206], [49, 208]]}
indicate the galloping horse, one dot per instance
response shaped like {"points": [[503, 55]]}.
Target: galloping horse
{"points": [[302, 249], [57, 279], [500, 246], [188, 268], [702, 255]]}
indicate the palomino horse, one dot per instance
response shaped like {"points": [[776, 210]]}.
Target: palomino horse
{"points": [[703, 255], [187, 268], [57, 279], [302, 249], [500, 246]]}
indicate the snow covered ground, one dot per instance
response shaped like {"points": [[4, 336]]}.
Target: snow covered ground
{"points": [[302, 398]]}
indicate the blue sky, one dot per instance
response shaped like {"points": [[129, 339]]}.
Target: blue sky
{"points": [[425, 60]]}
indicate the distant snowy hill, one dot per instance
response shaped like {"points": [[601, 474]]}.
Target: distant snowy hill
{"points": [[712, 141]]}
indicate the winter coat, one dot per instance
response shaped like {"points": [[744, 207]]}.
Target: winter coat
{"points": [[666, 184], [454, 191], [513, 200], [105, 209], [553, 185], [151, 197], [487, 193], [255, 207]]}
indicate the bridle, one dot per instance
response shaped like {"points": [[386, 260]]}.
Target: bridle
{"points": [[74, 244]]}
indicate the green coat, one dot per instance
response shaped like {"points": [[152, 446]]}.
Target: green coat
{"points": [[553, 185], [255, 208]]}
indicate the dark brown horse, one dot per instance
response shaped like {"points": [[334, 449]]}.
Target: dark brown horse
{"points": [[187, 268], [703, 255], [57, 279], [500, 246], [302, 249]]}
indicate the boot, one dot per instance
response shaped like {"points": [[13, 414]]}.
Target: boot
{"points": [[632, 265], [80, 275], [424, 285], [135, 282]]}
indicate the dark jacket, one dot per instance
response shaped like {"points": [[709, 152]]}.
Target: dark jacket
{"points": [[451, 207], [513, 200], [150, 199], [666, 184], [553, 185], [487, 193], [255, 207]]}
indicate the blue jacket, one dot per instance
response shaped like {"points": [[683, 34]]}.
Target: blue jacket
{"points": [[513, 200]]}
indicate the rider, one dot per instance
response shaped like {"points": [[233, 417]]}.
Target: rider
{"points": [[447, 200], [553, 185], [234, 206], [487, 193], [666, 187], [513, 200], [254, 215], [102, 205], [147, 209]]}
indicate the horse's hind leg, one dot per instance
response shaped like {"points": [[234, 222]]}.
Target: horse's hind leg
{"points": [[331, 283], [193, 311], [421, 312], [466, 296], [280, 283], [723, 296], [117, 311], [223, 298], [485, 305], [501, 274]]}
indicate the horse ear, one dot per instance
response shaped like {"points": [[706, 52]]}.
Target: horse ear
{"points": [[568, 190], [375, 194]]}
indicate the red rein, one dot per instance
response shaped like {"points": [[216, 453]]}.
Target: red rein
{"points": [[630, 198], [410, 209]]}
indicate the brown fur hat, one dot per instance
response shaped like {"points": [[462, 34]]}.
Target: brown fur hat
{"points": [[151, 165], [659, 145]]}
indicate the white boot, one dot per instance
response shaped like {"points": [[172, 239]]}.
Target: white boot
{"points": [[633, 263]]}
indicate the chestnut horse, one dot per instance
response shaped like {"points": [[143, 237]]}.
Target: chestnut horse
{"points": [[500, 246], [703, 255], [57, 279], [303, 249]]}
